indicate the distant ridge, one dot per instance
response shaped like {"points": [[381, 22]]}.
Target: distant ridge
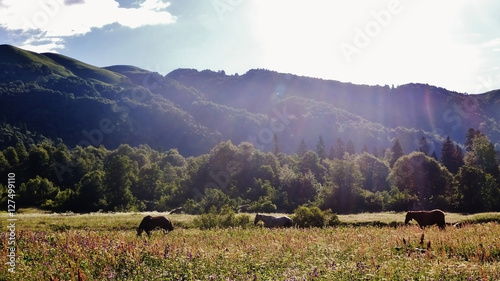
{"points": [[58, 97], [87, 71], [56, 64]]}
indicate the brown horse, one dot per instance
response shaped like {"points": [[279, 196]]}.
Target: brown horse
{"points": [[425, 218], [149, 223]]}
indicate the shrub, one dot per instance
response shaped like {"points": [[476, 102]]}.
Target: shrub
{"points": [[224, 219], [60, 227], [332, 219], [309, 217], [264, 205], [314, 217]]}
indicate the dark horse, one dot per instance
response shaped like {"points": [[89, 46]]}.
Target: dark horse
{"points": [[270, 221], [149, 223], [425, 218]]}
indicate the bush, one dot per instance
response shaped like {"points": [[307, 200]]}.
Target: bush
{"points": [[332, 219], [224, 219], [60, 227], [264, 205], [314, 217]]}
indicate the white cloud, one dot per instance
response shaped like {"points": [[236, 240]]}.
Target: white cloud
{"points": [[493, 45], [154, 5], [56, 19]]}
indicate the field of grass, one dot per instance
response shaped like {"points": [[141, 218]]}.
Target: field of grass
{"points": [[105, 247]]}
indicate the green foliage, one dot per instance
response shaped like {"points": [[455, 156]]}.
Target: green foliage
{"points": [[397, 152], [53, 177], [214, 198], [119, 177], [305, 216], [482, 154], [37, 192], [477, 191], [374, 172], [224, 218], [263, 205], [451, 157], [343, 186], [423, 177]]}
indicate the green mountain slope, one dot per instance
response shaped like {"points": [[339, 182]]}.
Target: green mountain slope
{"points": [[86, 71], [56, 97]]}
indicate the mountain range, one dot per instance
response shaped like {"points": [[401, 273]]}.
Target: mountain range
{"points": [[51, 96]]}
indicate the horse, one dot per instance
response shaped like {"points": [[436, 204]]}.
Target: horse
{"points": [[149, 223], [178, 210], [425, 218], [270, 221]]}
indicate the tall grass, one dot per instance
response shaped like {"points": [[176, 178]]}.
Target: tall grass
{"points": [[97, 252]]}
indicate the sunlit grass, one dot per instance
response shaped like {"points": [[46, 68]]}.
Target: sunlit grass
{"points": [[105, 247], [32, 219], [344, 253]]}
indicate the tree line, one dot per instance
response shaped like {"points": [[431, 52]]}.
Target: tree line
{"points": [[466, 178]]}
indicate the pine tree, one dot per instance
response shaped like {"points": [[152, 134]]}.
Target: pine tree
{"points": [[339, 149], [302, 148], [469, 138], [459, 156], [350, 148], [320, 148], [365, 148], [397, 151], [423, 147], [434, 155], [276, 150], [332, 153], [448, 156]]}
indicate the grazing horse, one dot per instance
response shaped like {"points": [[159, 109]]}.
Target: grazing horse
{"points": [[270, 221], [425, 218], [149, 223]]}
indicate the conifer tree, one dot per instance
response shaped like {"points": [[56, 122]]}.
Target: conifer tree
{"points": [[339, 149], [423, 147], [459, 156], [320, 148], [365, 148], [331, 153], [397, 151], [350, 148], [276, 141], [302, 148], [448, 156], [469, 137]]}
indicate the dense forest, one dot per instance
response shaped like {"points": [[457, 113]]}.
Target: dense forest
{"points": [[89, 179], [84, 138]]}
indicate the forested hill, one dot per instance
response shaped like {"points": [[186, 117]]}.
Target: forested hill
{"points": [[56, 97]]}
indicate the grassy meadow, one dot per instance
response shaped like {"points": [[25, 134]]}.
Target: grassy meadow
{"points": [[104, 246]]}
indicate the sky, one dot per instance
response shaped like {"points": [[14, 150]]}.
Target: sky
{"points": [[449, 44]]}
